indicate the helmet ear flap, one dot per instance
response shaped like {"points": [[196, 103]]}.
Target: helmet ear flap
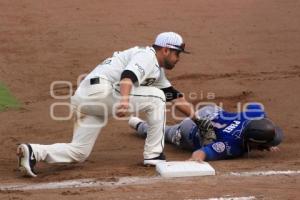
{"points": [[278, 137]]}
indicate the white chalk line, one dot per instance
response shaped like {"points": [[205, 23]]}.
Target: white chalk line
{"points": [[231, 198], [83, 183], [123, 181], [264, 173]]}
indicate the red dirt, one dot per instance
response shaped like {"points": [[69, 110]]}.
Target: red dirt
{"points": [[241, 51]]}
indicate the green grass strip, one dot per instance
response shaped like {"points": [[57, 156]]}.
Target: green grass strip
{"points": [[7, 101]]}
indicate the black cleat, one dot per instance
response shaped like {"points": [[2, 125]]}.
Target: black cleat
{"points": [[155, 161]]}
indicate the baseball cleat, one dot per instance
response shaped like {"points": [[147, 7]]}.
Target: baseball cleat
{"points": [[134, 122], [26, 160], [155, 161]]}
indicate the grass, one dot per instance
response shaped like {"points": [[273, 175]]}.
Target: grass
{"points": [[7, 101]]}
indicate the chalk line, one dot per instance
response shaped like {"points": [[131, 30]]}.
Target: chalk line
{"points": [[232, 198], [123, 181], [265, 173]]}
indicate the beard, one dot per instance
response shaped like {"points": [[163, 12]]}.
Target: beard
{"points": [[168, 64]]}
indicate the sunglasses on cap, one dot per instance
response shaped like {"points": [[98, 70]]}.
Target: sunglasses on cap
{"points": [[180, 48]]}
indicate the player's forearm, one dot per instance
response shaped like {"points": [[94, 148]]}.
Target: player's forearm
{"points": [[183, 106], [125, 88], [198, 155]]}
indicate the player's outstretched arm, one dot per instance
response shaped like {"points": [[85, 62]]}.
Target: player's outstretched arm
{"points": [[184, 106]]}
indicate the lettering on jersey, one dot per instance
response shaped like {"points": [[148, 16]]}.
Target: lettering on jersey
{"points": [[107, 61], [140, 69], [219, 147], [238, 133], [232, 126], [218, 125], [148, 81]]}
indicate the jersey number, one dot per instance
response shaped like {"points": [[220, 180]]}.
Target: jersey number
{"points": [[148, 81]]}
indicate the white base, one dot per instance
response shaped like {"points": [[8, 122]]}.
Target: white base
{"points": [[184, 168]]}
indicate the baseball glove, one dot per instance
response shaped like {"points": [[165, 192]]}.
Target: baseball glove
{"points": [[206, 130]]}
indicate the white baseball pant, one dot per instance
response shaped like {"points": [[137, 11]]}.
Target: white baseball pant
{"points": [[94, 105]]}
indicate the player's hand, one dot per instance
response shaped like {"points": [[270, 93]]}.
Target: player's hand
{"points": [[195, 159], [198, 156], [122, 108], [274, 149]]}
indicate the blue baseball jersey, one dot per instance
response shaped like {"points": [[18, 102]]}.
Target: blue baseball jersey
{"points": [[229, 127]]}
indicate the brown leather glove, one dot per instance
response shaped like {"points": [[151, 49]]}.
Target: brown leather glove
{"points": [[206, 130]]}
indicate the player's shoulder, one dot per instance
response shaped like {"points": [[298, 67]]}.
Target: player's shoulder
{"points": [[228, 147], [143, 50], [145, 55], [137, 50]]}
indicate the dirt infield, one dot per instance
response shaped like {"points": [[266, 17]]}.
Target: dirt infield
{"points": [[242, 51]]}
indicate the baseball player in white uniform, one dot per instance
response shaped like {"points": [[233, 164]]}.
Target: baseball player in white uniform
{"points": [[130, 80]]}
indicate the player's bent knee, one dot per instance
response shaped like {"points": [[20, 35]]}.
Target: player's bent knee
{"points": [[160, 95], [80, 154], [159, 98], [155, 93], [81, 157]]}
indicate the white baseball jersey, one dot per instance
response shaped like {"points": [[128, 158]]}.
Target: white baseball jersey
{"points": [[140, 60]]}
